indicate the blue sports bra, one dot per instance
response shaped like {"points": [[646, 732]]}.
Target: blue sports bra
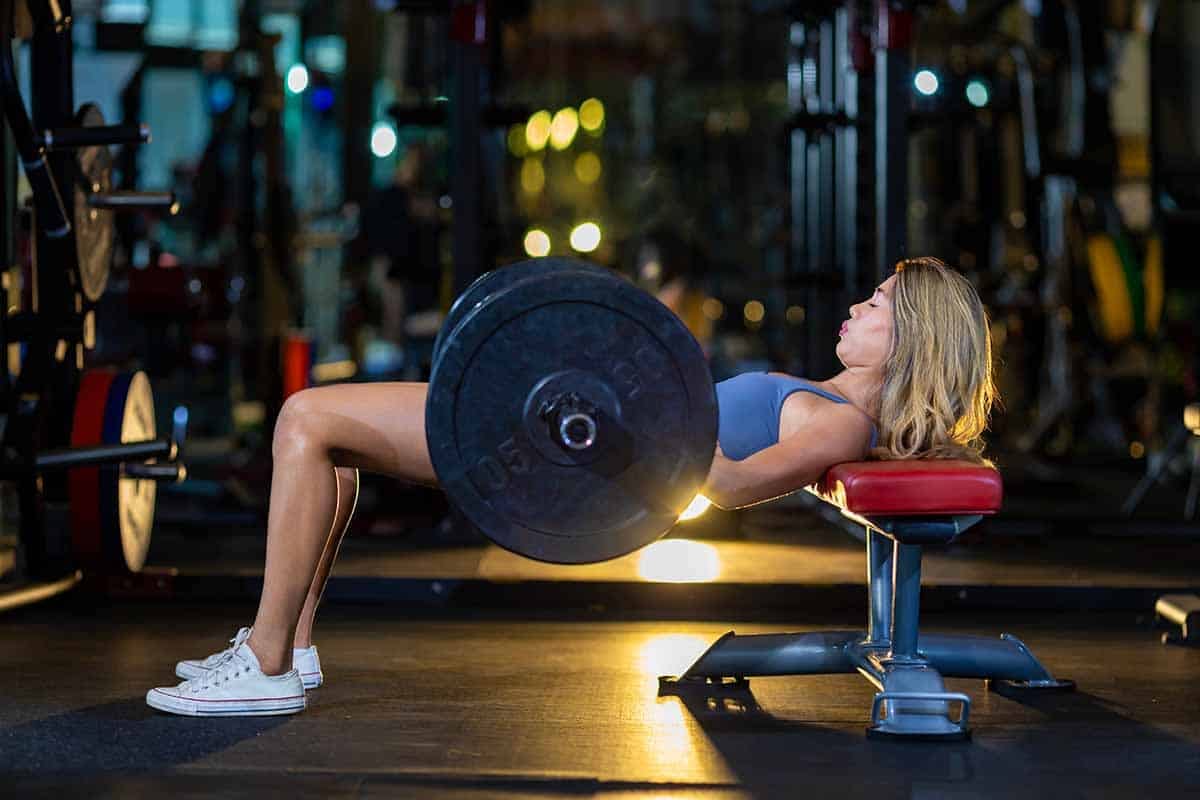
{"points": [[749, 405]]}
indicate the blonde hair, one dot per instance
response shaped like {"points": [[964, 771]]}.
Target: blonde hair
{"points": [[938, 388]]}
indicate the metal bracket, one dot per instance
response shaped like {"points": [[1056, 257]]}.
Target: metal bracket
{"points": [[921, 724]]}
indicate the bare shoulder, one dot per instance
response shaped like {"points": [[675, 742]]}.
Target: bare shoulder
{"points": [[839, 428]]}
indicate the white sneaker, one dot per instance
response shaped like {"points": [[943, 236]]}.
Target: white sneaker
{"points": [[237, 687], [304, 659]]}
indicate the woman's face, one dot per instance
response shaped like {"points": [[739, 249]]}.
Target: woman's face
{"points": [[866, 338]]}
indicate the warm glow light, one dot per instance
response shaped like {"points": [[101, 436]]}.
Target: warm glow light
{"points": [[537, 130], [679, 561], [926, 82], [563, 128], [754, 311], [795, 315], [591, 115], [698, 506], [537, 243], [297, 78], [383, 140], [588, 167], [516, 141], [586, 237], [670, 653], [713, 309], [334, 371], [533, 177]]}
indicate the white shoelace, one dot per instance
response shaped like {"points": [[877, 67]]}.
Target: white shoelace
{"points": [[233, 644], [231, 667]]}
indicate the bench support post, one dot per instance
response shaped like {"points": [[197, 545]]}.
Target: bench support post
{"points": [[880, 550]]}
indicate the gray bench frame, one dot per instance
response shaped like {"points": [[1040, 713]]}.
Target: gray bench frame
{"points": [[907, 667]]}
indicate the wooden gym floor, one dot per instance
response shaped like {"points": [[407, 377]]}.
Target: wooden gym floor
{"points": [[486, 705]]}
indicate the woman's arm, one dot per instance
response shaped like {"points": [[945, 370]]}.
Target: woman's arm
{"points": [[831, 436]]}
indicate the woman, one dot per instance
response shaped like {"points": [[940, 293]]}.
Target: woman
{"points": [[917, 383]]}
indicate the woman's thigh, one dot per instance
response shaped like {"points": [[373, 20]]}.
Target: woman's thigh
{"points": [[377, 427]]}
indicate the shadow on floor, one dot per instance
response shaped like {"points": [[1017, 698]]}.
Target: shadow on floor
{"points": [[126, 735], [1082, 747]]}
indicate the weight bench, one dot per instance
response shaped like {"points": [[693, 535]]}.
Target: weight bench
{"points": [[904, 506]]}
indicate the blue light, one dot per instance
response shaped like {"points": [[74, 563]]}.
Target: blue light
{"points": [[977, 93], [181, 415], [322, 98], [220, 95], [926, 82]]}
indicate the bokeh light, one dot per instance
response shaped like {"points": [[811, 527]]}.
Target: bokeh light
{"points": [[591, 115], [563, 128], [537, 130], [297, 78], [533, 175], [537, 243], [516, 141], [588, 167], [383, 140], [586, 237], [977, 93], [926, 82], [754, 311]]}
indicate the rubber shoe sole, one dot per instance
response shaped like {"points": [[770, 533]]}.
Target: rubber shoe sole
{"points": [[167, 700]]}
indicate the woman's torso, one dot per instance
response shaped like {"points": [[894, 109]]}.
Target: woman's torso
{"points": [[759, 409]]}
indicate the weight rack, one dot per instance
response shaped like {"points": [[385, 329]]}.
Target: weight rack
{"points": [[66, 278]]}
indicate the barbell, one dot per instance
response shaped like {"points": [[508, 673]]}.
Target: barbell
{"points": [[571, 417]]}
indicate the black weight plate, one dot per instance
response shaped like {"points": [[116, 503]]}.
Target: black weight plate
{"points": [[94, 231], [617, 347], [501, 278], [127, 504]]}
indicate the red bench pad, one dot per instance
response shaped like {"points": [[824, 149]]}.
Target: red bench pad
{"points": [[917, 487]]}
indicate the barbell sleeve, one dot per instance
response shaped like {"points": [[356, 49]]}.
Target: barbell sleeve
{"points": [[132, 201], [96, 135], [171, 471], [66, 458]]}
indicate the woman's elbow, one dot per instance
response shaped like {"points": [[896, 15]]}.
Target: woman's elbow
{"points": [[716, 494], [724, 498]]}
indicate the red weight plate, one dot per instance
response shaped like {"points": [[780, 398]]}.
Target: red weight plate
{"points": [[127, 504], [83, 483]]}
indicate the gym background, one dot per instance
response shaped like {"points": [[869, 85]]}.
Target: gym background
{"points": [[281, 194]]}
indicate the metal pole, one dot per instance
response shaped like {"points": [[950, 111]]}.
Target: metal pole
{"points": [[468, 36], [893, 94], [880, 553], [906, 603]]}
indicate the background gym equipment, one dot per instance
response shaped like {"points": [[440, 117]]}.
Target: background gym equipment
{"points": [[570, 417], [97, 427], [1182, 610]]}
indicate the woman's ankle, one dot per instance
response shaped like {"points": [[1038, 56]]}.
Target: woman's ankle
{"points": [[269, 661]]}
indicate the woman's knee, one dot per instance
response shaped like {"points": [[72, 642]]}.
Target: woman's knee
{"points": [[298, 426]]}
